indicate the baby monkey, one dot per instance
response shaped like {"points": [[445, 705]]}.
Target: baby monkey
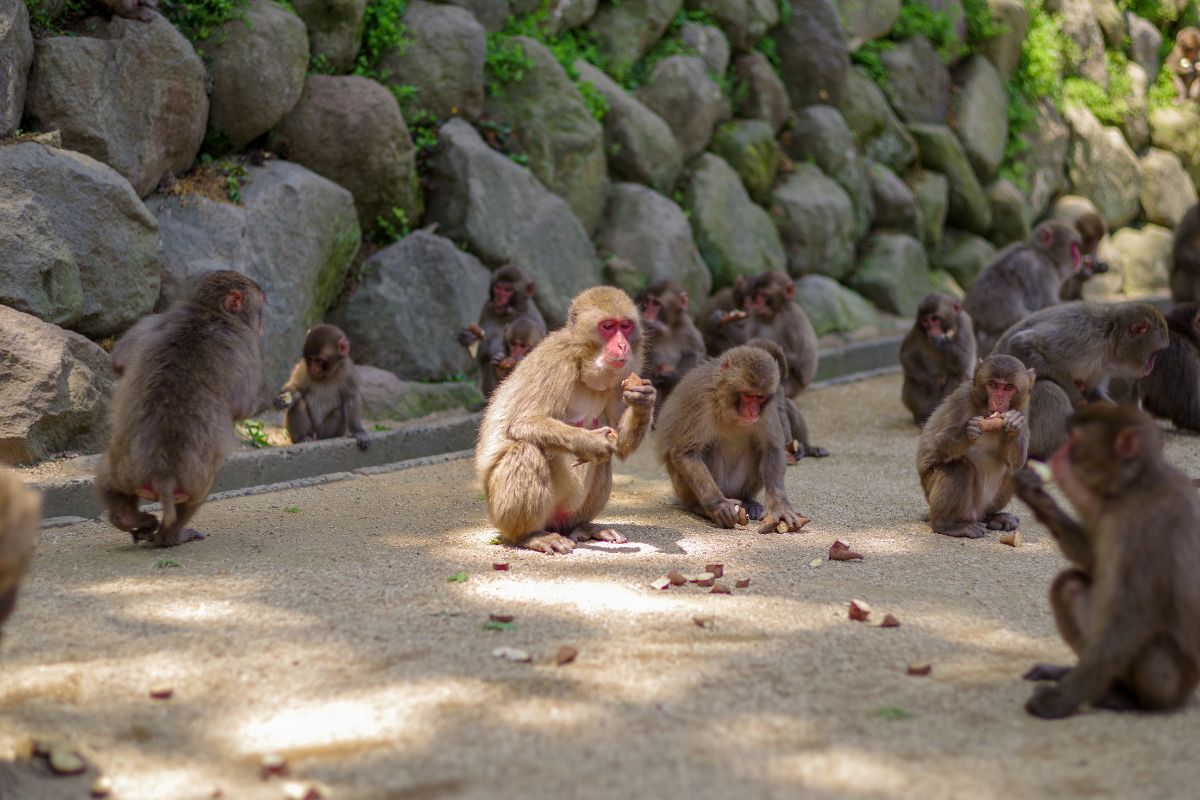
{"points": [[322, 397], [520, 336]]}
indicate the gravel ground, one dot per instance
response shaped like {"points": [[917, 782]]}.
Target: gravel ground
{"points": [[319, 623]]}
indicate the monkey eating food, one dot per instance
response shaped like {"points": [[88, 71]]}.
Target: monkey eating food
{"points": [[322, 397], [673, 343], [510, 298]]}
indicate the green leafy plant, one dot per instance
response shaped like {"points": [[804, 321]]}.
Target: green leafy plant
{"points": [[167, 563], [492, 625], [252, 432], [506, 62], [458, 577], [1111, 105], [382, 32], [292, 509], [891, 713], [393, 226]]}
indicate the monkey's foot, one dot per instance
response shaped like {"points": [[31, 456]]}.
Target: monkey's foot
{"points": [[1046, 672], [812, 451], [1118, 698], [178, 537], [1049, 702], [549, 543], [139, 524], [754, 509], [587, 530], [1003, 521], [964, 529]]}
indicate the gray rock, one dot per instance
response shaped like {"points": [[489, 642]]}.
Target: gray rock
{"points": [[349, 130], [442, 58], [744, 21], [945, 283], [504, 214], [1144, 43], [1011, 220], [1069, 208], [1145, 257], [1103, 168], [1135, 125], [821, 135], [1045, 157], [296, 233], [878, 132], [56, 392], [649, 231], [1079, 23], [128, 93], [735, 236], [893, 273], [813, 59], [680, 91], [80, 249], [385, 396], [258, 65], [816, 219], [16, 56], [931, 190], [750, 148], [627, 30], [493, 14], [564, 142], [941, 151], [760, 93], [964, 256], [566, 15], [641, 147], [918, 83], [896, 207], [1177, 130], [1004, 49], [420, 284], [831, 307], [1112, 23], [334, 30], [1167, 190], [981, 112], [709, 43], [863, 20]]}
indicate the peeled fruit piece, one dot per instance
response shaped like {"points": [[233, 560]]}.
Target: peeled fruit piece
{"points": [[1012, 539], [273, 764], [101, 787], [717, 570], [676, 578], [660, 583], [565, 655], [840, 551], [859, 610], [64, 760], [889, 621]]}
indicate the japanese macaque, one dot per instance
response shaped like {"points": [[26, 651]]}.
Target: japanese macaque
{"points": [[778, 317], [1076, 349], [1091, 230], [130, 340], [724, 320], [1181, 64], [520, 336], [795, 429], [936, 355], [142, 10], [1129, 606], [1185, 261], [510, 297], [1172, 389], [545, 448], [721, 439], [322, 397], [20, 514], [1021, 279], [673, 343], [174, 409]]}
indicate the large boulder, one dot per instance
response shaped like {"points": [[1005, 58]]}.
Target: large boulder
{"points": [[641, 147], [504, 214], [893, 273], [125, 92], [565, 15], [821, 135], [831, 307], [980, 110], [680, 91], [627, 30], [918, 83], [1078, 21], [863, 20], [334, 31], [1112, 23], [295, 232], [442, 58], [349, 129], [735, 236], [16, 56], [964, 255], [744, 21], [1144, 43], [896, 207], [649, 231], [1011, 220], [760, 92], [709, 43], [1167, 190], [750, 148], [385, 396], [56, 390], [420, 284], [1177, 130], [80, 249], [816, 218], [1004, 49], [941, 151], [1044, 159], [813, 59], [494, 14], [1102, 167], [931, 190], [258, 64], [554, 127], [1145, 257], [877, 130]]}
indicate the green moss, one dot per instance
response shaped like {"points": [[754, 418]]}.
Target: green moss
{"points": [[383, 32], [1110, 106]]}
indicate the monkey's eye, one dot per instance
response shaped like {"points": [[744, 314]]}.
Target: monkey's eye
{"points": [[1009, 387], [626, 326], [609, 326]]}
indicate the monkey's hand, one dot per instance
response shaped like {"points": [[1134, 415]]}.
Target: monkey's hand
{"points": [[596, 446], [1050, 702], [724, 512], [364, 441], [283, 400], [974, 431], [468, 337], [1014, 421], [640, 397]]}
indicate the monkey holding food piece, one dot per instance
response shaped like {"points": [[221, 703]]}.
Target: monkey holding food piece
{"points": [[510, 297], [322, 398], [795, 428], [20, 515], [1181, 64], [936, 355], [673, 342], [721, 440], [724, 321], [520, 336], [1091, 229], [557, 408], [1129, 605]]}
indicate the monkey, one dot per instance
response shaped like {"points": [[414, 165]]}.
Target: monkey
{"points": [[520, 336], [966, 471], [510, 297], [778, 317], [1181, 64], [546, 442], [1091, 229], [1076, 349], [173, 411], [937, 354], [1172, 389], [1129, 605], [724, 320], [20, 515], [1022, 278], [795, 429], [1185, 258], [721, 440], [322, 398], [142, 10], [673, 343], [122, 351]]}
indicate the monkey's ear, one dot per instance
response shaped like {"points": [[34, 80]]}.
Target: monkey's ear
{"points": [[1128, 443], [233, 302], [725, 363], [683, 299], [790, 291], [978, 366], [957, 307], [1196, 320], [1032, 377], [344, 346], [1139, 328], [529, 289], [1046, 235]]}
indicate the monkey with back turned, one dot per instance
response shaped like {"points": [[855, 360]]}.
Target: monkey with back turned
{"points": [[1185, 258], [1172, 389], [322, 398]]}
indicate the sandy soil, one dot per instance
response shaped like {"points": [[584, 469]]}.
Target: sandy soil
{"points": [[319, 623]]}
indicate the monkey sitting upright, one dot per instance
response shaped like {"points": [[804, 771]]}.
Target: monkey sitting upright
{"points": [[1185, 258], [520, 336], [936, 355], [1181, 64], [1172, 389], [795, 428], [972, 445], [724, 321], [777, 316], [1091, 229], [20, 513], [510, 297], [673, 343], [322, 397], [1129, 606]]}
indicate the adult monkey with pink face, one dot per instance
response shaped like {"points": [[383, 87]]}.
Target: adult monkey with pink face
{"points": [[966, 471], [545, 448], [510, 298]]}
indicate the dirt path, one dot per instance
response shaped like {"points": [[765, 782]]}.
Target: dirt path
{"points": [[329, 632]]}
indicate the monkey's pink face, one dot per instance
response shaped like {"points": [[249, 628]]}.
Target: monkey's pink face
{"points": [[617, 335], [318, 365], [651, 308], [934, 327], [517, 351], [750, 407], [1076, 257], [502, 296], [1000, 396]]}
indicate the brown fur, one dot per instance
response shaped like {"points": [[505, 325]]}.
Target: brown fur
{"points": [[778, 317], [1185, 258], [1091, 229], [20, 514], [552, 412], [520, 333], [795, 428], [673, 343], [322, 397], [174, 409], [142, 10], [123, 352], [1181, 64], [520, 305], [1129, 606], [717, 319], [934, 365], [1172, 389]]}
